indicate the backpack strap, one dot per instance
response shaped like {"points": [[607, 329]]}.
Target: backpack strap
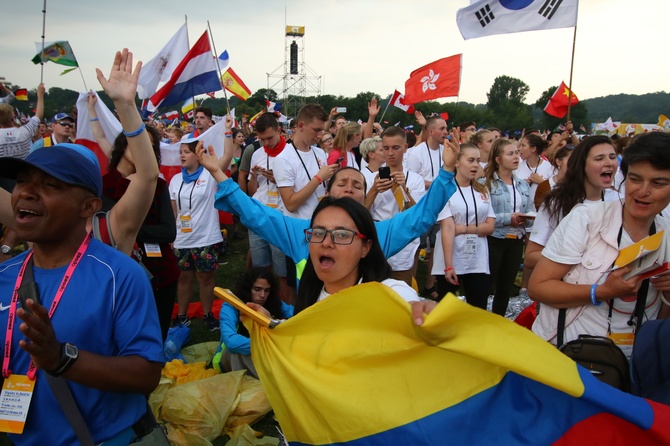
{"points": [[102, 229]]}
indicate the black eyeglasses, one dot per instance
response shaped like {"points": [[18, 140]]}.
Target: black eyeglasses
{"points": [[338, 236], [65, 123]]}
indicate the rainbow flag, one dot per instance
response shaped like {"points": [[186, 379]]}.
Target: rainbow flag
{"points": [[353, 369]]}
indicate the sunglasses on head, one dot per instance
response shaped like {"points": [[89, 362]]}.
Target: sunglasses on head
{"points": [[65, 123]]}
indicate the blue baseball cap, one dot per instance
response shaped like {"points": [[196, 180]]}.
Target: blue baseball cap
{"points": [[70, 163], [61, 116]]}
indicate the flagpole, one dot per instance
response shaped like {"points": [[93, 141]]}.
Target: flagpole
{"points": [[218, 67], [387, 107], [572, 65], [44, 25]]}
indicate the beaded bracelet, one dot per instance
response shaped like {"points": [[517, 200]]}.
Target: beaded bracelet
{"points": [[594, 301], [136, 132]]}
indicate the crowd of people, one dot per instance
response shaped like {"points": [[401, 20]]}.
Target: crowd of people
{"points": [[328, 204]]}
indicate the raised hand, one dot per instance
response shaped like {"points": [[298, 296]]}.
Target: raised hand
{"points": [[122, 83], [373, 108], [420, 119]]}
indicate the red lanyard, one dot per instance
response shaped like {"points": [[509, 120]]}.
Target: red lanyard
{"points": [[32, 370]]}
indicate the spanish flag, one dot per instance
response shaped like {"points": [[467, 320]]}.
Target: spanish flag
{"points": [[21, 94], [354, 369], [232, 82]]}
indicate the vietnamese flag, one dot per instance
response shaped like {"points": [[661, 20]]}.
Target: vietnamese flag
{"points": [[558, 102], [21, 94], [439, 79]]}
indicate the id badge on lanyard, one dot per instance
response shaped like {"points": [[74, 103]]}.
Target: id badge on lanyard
{"points": [[470, 246], [185, 223], [273, 199], [17, 391], [624, 341]]}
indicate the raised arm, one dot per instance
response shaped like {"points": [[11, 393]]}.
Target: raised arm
{"points": [[96, 128], [129, 212], [39, 108], [373, 111]]}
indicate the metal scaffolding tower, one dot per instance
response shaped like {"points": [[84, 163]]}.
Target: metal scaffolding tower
{"points": [[294, 80]]}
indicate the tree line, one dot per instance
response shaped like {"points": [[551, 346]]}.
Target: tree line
{"points": [[507, 107]]}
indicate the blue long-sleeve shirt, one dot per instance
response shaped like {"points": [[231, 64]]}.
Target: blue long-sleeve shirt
{"points": [[287, 233], [234, 342]]}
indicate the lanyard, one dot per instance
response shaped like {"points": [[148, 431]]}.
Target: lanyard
{"points": [[539, 160], [430, 157], [474, 202], [15, 297], [305, 167], [514, 195], [190, 197]]}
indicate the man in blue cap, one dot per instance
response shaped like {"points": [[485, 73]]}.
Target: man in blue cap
{"points": [[62, 131], [91, 320]]}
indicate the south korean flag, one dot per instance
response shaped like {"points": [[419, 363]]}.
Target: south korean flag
{"points": [[490, 17]]}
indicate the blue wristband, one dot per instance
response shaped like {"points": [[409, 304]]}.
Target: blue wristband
{"points": [[594, 301], [94, 119], [136, 132]]}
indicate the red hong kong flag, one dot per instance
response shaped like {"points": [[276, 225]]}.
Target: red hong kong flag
{"points": [[439, 79], [558, 102]]}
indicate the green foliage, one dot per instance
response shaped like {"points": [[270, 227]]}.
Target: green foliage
{"points": [[506, 102], [642, 109]]}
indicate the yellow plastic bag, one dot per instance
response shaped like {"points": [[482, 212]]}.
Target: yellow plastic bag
{"points": [[202, 352], [202, 407], [244, 435], [181, 373], [252, 407]]}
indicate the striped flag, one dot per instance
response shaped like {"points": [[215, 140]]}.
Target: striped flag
{"points": [[232, 82], [195, 74], [21, 94], [354, 369]]}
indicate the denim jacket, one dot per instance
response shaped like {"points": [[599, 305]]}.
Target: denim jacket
{"points": [[501, 200]]}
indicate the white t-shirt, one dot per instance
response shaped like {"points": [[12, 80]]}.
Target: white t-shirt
{"points": [[267, 192], [195, 208], [293, 168], [369, 177], [424, 161], [405, 291], [386, 206], [567, 246], [544, 226], [455, 208], [544, 169], [16, 141]]}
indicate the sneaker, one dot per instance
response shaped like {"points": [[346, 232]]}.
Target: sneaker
{"points": [[211, 322], [182, 319]]}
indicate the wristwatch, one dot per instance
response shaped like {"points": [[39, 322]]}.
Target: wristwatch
{"points": [[5, 249], [69, 354]]}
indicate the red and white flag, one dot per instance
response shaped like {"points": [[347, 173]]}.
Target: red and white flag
{"points": [[110, 126], [439, 79], [398, 100], [171, 115]]}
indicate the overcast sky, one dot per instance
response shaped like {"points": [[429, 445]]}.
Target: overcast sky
{"points": [[369, 45]]}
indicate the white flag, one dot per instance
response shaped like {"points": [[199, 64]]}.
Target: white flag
{"points": [[160, 68], [489, 17]]}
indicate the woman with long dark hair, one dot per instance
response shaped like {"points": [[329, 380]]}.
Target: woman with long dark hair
{"points": [[343, 251], [590, 172], [575, 272], [261, 287], [158, 229]]}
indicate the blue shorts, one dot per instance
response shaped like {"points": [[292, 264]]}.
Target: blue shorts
{"points": [[264, 254], [202, 260]]}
